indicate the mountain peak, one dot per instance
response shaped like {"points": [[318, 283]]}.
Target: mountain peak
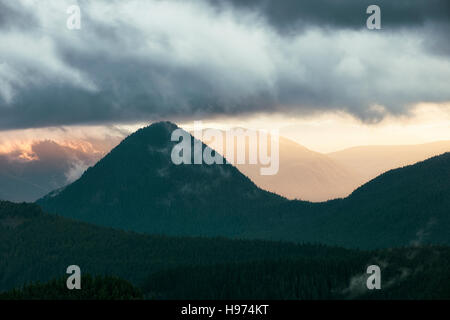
{"points": [[137, 186], [160, 125], [156, 133]]}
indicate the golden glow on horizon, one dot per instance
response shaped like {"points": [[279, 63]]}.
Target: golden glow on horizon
{"points": [[331, 132], [86, 139], [325, 133]]}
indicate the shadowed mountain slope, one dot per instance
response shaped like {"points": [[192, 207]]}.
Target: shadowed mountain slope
{"points": [[137, 187], [405, 206]]}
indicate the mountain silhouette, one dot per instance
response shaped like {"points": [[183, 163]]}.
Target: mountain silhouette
{"points": [[138, 187], [402, 207]]}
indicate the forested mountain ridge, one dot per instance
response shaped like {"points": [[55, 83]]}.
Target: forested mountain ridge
{"points": [[137, 187], [402, 207], [37, 247]]}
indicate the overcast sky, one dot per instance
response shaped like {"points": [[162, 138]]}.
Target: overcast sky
{"points": [[183, 60], [308, 68]]}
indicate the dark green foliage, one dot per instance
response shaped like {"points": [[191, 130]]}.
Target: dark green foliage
{"points": [[37, 246], [93, 288], [406, 206], [410, 273], [137, 187], [303, 279]]}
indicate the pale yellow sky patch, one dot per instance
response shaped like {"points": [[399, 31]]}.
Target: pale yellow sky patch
{"points": [[327, 132], [331, 132]]}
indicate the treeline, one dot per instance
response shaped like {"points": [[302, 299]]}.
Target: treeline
{"points": [[301, 279], [35, 246], [409, 273], [93, 288]]}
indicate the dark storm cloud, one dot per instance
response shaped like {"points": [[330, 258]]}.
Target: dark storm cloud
{"points": [[151, 60], [12, 17], [290, 14], [436, 39]]}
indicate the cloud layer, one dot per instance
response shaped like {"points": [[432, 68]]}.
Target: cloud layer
{"points": [[52, 166], [148, 60]]}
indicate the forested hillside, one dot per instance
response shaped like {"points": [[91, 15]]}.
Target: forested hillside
{"points": [[408, 273], [137, 187], [403, 207], [93, 288], [35, 246]]}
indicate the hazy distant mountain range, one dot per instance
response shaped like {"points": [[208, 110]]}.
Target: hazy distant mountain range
{"points": [[303, 174], [137, 187], [312, 176], [367, 162]]}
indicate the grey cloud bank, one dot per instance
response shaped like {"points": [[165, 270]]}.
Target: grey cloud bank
{"points": [[139, 60], [55, 166], [288, 15]]}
